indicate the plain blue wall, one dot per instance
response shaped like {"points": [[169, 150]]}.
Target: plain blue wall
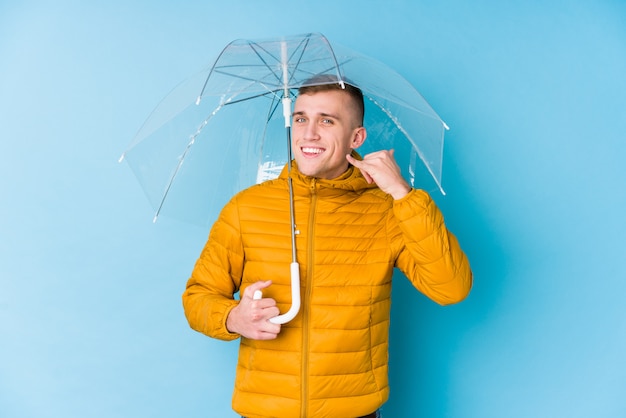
{"points": [[91, 322]]}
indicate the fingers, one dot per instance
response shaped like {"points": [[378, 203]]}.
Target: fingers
{"points": [[261, 306], [250, 318], [368, 178], [361, 166], [380, 167], [260, 326], [250, 290], [385, 156], [375, 165], [264, 330], [377, 158], [254, 292]]}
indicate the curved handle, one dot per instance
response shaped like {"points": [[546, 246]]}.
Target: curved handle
{"points": [[295, 297]]}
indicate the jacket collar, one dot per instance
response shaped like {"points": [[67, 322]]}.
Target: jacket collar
{"points": [[350, 180]]}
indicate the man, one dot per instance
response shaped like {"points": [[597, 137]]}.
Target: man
{"points": [[357, 219]]}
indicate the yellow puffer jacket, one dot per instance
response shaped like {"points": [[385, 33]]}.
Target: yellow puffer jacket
{"points": [[331, 360]]}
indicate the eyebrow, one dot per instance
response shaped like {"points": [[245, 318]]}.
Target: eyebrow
{"points": [[323, 114]]}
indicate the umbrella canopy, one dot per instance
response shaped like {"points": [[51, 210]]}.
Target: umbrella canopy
{"points": [[223, 129]]}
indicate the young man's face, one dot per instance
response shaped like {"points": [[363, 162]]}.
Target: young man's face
{"points": [[324, 130]]}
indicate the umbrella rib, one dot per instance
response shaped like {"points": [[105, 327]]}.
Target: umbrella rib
{"points": [[254, 46], [302, 46], [299, 50], [271, 93], [181, 160], [233, 75], [332, 53], [169, 184], [206, 81]]}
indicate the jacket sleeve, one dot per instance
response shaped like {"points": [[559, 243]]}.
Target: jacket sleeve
{"points": [[430, 255], [216, 277]]}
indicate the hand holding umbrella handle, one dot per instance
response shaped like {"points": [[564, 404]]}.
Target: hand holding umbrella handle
{"points": [[295, 297]]}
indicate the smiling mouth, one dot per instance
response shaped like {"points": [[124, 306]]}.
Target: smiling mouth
{"points": [[312, 151]]}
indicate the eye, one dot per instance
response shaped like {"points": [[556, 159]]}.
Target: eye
{"points": [[327, 121], [299, 119]]}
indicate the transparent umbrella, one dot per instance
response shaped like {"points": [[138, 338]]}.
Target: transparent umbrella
{"points": [[228, 126]]}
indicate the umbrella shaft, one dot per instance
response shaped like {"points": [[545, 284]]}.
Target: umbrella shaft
{"points": [[293, 223], [291, 204], [284, 61]]}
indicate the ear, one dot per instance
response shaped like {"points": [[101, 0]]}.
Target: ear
{"points": [[358, 137]]}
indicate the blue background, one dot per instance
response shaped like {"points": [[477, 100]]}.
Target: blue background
{"points": [[91, 322]]}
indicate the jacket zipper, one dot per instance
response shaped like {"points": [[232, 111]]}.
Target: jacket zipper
{"points": [[307, 296]]}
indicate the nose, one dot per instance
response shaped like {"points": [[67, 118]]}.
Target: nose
{"points": [[311, 132]]}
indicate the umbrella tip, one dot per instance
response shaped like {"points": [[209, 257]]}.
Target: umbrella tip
{"points": [[446, 127], [155, 218], [121, 158], [198, 100]]}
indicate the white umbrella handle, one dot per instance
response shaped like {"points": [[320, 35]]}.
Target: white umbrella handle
{"points": [[295, 297]]}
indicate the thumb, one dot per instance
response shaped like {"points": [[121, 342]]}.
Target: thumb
{"points": [[352, 160], [361, 166]]}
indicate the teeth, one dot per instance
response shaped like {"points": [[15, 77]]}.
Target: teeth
{"points": [[312, 150]]}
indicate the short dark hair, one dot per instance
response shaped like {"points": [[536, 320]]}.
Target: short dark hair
{"points": [[327, 82]]}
